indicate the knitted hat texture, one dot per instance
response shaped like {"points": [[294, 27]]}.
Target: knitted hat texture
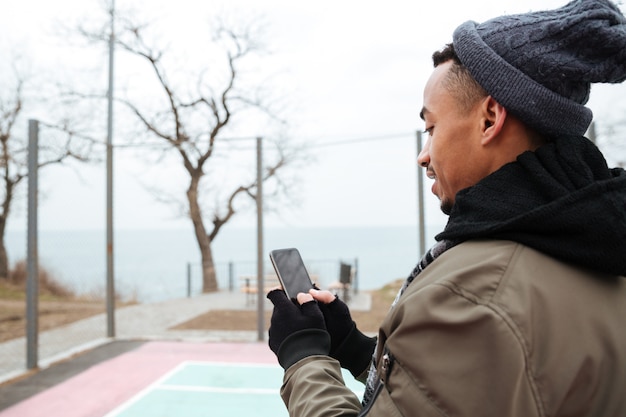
{"points": [[540, 65]]}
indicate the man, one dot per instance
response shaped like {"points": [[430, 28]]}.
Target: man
{"points": [[518, 309]]}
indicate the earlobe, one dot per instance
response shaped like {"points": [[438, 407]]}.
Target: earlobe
{"points": [[494, 115]]}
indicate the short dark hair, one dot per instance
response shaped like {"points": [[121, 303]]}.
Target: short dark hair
{"points": [[459, 81], [466, 89]]}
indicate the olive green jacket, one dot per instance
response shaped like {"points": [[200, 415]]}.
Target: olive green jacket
{"points": [[490, 328]]}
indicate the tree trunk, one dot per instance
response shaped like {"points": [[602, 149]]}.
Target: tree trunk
{"points": [[209, 278], [4, 259]]}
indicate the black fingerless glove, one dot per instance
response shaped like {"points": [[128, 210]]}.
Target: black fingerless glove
{"points": [[349, 346], [355, 353], [296, 331]]}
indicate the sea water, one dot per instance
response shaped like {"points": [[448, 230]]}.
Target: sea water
{"points": [[154, 265]]}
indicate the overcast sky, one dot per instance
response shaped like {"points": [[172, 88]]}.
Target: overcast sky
{"points": [[354, 71]]}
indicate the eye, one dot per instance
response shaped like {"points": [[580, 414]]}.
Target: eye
{"points": [[429, 130]]}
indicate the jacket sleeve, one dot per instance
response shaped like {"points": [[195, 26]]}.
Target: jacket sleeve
{"points": [[314, 387]]}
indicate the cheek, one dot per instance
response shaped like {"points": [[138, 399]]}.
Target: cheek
{"points": [[451, 174]]}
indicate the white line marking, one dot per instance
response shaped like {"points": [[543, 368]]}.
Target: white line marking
{"points": [[116, 411], [232, 364], [221, 390]]}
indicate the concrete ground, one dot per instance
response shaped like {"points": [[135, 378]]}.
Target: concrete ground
{"points": [[63, 354], [156, 379]]}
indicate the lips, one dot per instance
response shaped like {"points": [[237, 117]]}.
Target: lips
{"points": [[433, 189], [430, 173]]}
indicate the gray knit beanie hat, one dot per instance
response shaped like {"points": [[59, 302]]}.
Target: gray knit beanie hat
{"points": [[540, 65]]}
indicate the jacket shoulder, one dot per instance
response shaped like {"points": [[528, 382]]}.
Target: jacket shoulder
{"points": [[488, 311]]}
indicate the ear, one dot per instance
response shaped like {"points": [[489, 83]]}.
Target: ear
{"points": [[492, 121]]}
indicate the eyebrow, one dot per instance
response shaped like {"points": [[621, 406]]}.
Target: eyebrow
{"points": [[424, 110]]}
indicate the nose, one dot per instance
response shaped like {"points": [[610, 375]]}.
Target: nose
{"points": [[423, 159]]}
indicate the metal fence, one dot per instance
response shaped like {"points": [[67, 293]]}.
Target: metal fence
{"points": [[231, 276]]}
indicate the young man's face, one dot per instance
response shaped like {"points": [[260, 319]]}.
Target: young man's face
{"points": [[452, 153]]}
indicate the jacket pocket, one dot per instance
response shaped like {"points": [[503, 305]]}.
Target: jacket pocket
{"points": [[407, 396]]}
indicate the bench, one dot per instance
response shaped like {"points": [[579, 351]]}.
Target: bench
{"points": [[249, 285]]}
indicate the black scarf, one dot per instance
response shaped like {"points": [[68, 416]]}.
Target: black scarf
{"points": [[561, 200]]}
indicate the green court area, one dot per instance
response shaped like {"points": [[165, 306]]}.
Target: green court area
{"points": [[200, 389]]}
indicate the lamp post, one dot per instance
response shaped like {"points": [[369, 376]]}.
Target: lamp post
{"points": [[110, 280], [421, 227], [260, 267]]}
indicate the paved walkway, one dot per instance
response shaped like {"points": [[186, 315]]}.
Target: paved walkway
{"points": [[139, 322]]}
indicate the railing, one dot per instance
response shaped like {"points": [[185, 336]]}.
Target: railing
{"points": [[326, 271]]}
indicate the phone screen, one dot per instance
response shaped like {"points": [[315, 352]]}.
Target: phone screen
{"points": [[291, 271]]}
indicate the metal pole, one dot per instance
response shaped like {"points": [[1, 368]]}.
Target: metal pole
{"points": [[188, 279], [231, 276], [259, 219], [356, 275], [110, 280], [420, 201], [32, 270]]}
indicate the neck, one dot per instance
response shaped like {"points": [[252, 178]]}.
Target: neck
{"points": [[515, 138]]}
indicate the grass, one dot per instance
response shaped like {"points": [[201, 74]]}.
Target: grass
{"points": [[49, 288], [10, 291], [57, 304]]}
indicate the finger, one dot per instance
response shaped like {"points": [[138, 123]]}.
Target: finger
{"points": [[304, 298], [338, 308], [325, 297], [311, 309], [278, 297]]}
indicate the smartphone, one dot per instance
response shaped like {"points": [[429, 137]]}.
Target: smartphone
{"points": [[291, 271]]}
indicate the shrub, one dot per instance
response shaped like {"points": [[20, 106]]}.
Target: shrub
{"points": [[47, 283]]}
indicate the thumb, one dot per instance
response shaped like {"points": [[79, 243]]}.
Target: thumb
{"points": [[325, 297], [304, 298], [314, 317]]}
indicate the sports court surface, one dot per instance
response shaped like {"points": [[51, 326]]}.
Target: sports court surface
{"points": [[169, 379]]}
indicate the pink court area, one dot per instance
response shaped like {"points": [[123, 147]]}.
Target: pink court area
{"points": [[101, 388]]}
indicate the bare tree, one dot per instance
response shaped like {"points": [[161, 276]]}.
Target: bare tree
{"points": [[60, 145], [193, 119]]}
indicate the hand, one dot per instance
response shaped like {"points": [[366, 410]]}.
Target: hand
{"points": [[296, 330], [349, 346], [337, 316]]}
